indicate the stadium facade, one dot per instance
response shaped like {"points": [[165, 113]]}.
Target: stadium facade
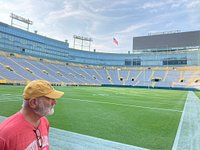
{"points": [[19, 41]]}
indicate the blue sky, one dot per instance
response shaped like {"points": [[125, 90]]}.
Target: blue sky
{"points": [[102, 20]]}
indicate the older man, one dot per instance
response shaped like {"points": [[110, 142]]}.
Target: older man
{"points": [[28, 129]]}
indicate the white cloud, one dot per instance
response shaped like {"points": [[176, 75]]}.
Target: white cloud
{"points": [[154, 4], [193, 4], [103, 19], [132, 28]]}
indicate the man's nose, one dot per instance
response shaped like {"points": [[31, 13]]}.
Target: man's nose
{"points": [[53, 102]]}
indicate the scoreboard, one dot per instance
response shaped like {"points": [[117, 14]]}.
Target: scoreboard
{"points": [[167, 41]]}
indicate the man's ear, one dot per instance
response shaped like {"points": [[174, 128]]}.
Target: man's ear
{"points": [[33, 103]]}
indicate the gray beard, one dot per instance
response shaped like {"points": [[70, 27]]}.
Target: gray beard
{"points": [[42, 111]]}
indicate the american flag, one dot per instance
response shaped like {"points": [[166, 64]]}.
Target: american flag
{"points": [[115, 41]]}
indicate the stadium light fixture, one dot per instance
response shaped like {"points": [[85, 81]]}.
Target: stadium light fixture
{"points": [[83, 40], [21, 19]]}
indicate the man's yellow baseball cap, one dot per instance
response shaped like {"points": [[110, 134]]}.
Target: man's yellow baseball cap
{"points": [[38, 88]]}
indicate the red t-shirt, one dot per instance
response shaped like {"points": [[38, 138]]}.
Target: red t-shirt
{"points": [[18, 134]]}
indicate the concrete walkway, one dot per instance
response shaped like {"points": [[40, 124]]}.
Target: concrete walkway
{"points": [[188, 134], [60, 140]]}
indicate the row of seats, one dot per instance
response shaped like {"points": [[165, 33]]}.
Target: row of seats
{"points": [[20, 69]]}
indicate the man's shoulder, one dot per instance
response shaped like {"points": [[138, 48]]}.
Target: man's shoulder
{"points": [[10, 124], [12, 119], [44, 121]]}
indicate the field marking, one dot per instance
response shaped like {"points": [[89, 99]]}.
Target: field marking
{"points": [[9, 98], [6, 99], [126, 105], [117, 94], [188, 133], [101, 94], [11, 95], [175, 145]]}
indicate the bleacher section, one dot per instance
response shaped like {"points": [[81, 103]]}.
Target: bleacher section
{"points": [[17, 69]]}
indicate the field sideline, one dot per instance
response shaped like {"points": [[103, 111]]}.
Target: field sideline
{"points": [[145, 118]]}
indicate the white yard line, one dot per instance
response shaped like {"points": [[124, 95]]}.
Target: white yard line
{"points": [[175, 145], [6, 99], [188, 133], [126, 105], [10, 95], [9, 100]]}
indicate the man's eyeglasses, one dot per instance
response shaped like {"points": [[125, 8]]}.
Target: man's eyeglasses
{"points": [[38, 137]]}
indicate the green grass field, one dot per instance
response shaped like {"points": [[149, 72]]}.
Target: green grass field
{"points": [[198, 94], [147, 118]]}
